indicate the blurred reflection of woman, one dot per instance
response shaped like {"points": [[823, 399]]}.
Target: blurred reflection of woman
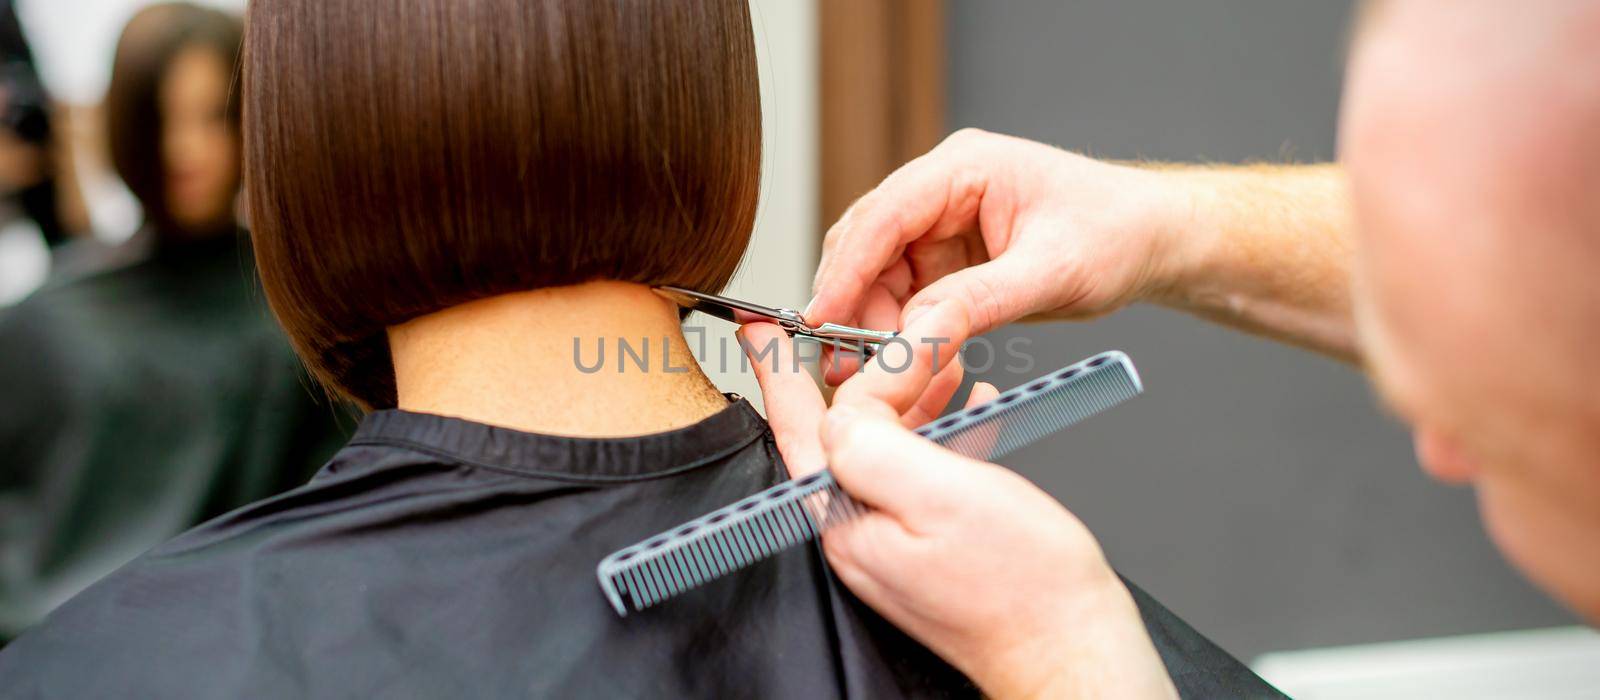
{"points": [[445, 196], [143, 399]]}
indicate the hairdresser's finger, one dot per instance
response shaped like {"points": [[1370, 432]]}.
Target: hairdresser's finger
{"points": [[995, 293], [795, 407], [873, 540], [933, 195], [888, 467], [899, 374], [940, 390], [880, 310], [899, 278], [982, 393]]}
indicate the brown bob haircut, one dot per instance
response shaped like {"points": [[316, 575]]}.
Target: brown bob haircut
{"points": [[145, 51], [405, 156]]}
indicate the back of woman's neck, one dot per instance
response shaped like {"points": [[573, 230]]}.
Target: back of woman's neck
{"points": [[528, 361]]}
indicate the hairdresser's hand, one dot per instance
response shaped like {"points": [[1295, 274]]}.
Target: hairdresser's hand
{"points": [[795, 406], [970, 558], [1010, 227]]}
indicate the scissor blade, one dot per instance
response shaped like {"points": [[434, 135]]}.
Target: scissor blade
{"points": [[732, 310]]}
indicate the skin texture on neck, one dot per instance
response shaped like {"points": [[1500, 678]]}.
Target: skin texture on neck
{"points": [[510, 361]]}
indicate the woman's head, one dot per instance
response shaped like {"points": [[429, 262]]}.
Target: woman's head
{"points": [[172, 117], [405, 156]]}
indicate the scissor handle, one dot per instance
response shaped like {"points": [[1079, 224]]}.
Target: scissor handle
{"points": [[835, 331]]}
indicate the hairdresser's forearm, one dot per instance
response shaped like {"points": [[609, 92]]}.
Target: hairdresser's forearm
{"points": [[1266, 249]]}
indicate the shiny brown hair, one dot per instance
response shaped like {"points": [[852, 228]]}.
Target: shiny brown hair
{"points": [[405, 156], [145, 51]]}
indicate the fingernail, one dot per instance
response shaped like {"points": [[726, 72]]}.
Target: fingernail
{"points": [[807, 313], [944, 306], [915, 313]]}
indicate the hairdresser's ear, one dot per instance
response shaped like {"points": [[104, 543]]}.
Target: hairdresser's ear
{"points": [[795, 406], [1442, 458]]}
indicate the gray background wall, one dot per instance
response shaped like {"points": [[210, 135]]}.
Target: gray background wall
{"points": [[1257, 490]]}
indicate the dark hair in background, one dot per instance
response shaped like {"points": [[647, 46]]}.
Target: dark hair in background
{"points": [[27, 116], [146, 49], [405, 156]]}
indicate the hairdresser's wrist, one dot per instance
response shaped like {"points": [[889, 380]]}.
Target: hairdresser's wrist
{"points": [[1089, 643], [1166, 224], [1264, 248], [1188, 218]]}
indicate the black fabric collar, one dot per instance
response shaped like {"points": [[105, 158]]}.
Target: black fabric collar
{"points": [[599, 459]]}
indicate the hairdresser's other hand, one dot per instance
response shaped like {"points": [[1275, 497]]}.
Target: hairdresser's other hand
{"points": [[977, 563], [969, 558], [1011, 227]]}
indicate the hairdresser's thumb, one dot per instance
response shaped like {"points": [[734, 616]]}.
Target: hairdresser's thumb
{"points": [[995, 293], [880, 462]]}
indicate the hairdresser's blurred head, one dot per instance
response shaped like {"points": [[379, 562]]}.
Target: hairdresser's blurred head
{"points": [[1471, 134], [173, 123]]}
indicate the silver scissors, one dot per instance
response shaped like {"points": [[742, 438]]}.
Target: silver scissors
{"points": [[742, 312]]}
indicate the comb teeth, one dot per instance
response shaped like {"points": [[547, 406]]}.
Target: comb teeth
{"points": [[735, 536], [725, 540], [1038, 408]]}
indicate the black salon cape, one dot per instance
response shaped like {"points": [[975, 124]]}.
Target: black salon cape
{"points": [[435, 557], [440, 558]]}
